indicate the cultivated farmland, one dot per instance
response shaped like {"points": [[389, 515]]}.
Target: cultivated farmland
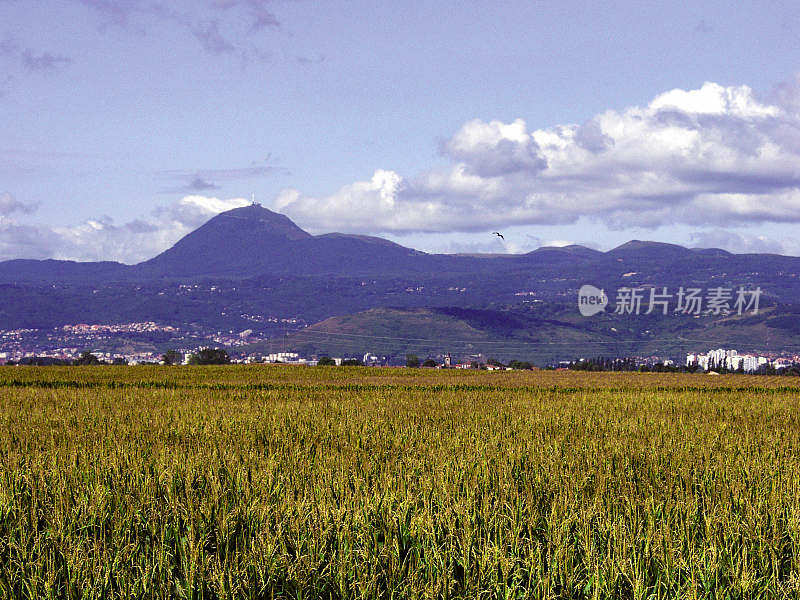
{"points": [[265, 481]]}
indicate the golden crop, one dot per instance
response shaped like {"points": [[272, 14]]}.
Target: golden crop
{"points": [[264, 481]]}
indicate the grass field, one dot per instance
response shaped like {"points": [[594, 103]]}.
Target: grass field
{"points": [[263, 481]]}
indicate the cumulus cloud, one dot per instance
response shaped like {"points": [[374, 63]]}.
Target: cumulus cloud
{"points": [[740, 243], [192, 211], [491, 149], [25, 241], [103, 239], [710, 156], [787, 94]]}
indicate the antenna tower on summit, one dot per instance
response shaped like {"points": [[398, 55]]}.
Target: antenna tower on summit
{"points": [[253, 200]]}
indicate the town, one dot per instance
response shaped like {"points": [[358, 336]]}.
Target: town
{"points": [[731, 361], [149, 342]]}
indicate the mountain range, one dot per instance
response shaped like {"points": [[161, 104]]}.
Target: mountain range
{"points": [[251, 267], [254, 241]]}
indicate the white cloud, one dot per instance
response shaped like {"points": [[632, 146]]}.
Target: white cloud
{"points": [[193, 211], [742, 243], [713, 99], [712, 156], [495, 148], [708, 158], [102, 239]]}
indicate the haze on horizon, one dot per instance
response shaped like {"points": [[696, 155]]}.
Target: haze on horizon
{"points": [[128, 123]]}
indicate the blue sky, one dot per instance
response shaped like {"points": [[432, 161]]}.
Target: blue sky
{"points": [[125, 124]]}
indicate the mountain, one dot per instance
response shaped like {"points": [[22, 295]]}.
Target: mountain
{"points": [[253, 269], [61, 270], [638, 255], [253, 241], [234, 243], [573, 251]]}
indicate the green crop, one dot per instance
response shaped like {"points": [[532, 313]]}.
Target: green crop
{"points": [[284, 482]]}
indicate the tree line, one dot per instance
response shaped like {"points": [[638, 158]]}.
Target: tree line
{"points": [[204, 356], [631, 364]]}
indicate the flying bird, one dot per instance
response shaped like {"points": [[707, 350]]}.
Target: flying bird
{"points": [[498, 234]]}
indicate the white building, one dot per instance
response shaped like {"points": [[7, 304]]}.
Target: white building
{"points": [[282, 357], [370, 359], [728, 359]]}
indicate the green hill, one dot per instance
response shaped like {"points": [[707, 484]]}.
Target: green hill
{"points": [[463, 333], [521, 334]]}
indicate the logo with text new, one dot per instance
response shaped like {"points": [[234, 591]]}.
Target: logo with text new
{"points": [[591, 300]]}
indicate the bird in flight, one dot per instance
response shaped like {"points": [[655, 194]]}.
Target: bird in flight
{"points": [[498, 234]]}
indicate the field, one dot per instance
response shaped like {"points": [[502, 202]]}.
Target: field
{"points": [[264, 481]]}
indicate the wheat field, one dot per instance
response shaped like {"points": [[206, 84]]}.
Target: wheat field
{"points": [[286, 482]]}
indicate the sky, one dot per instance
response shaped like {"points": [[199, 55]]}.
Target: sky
{"points": [[125, 124]]}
